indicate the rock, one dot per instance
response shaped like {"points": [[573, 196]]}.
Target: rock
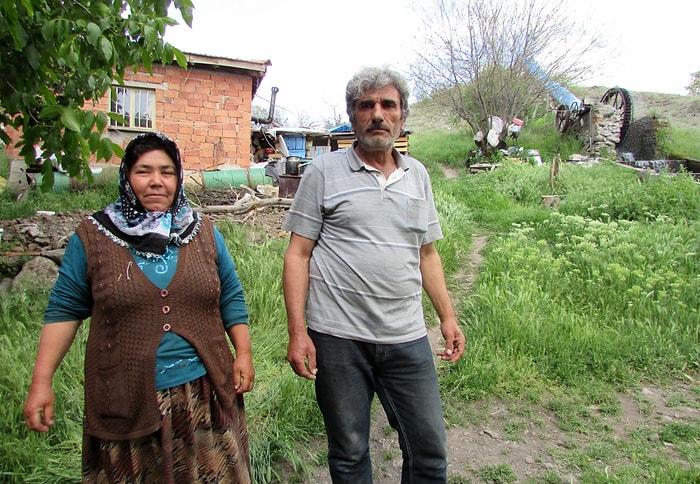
{"points": [[55, 255], [37, 272], [5, 285]]}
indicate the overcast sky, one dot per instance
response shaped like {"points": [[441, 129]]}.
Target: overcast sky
{"points": [[316, 45]]}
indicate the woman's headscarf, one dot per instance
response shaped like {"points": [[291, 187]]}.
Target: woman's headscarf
{"points": [[129, 224]]}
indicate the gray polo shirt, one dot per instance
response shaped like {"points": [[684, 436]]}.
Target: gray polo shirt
{"points": [[365, 281]]}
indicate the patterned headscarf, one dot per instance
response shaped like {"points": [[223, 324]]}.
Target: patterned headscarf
{"points": [[129, 224]]}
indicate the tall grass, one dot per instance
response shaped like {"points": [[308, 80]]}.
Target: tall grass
{"points": [[684, 142], [599, 294], [614, 302], [611, 192], [539, 134], [64, 201], [24, 455], [282, 413], [4, 164], [442, 147], [86, 198], [604, 288]]}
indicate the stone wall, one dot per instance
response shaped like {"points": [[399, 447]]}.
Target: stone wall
{"points": [[599, 130]]}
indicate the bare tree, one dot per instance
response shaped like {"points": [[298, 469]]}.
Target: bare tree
{"points": [[305, 120], [335, 119], [476, 56], [278, 119], [694, 87]]}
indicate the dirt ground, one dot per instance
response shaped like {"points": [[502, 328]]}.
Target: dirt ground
{"points": [[524, 436]]}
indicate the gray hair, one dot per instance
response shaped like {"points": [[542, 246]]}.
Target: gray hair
{"points": [[371, 78]]}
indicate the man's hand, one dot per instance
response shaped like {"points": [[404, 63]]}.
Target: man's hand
{"points": [[454, 341], [301, 355]]}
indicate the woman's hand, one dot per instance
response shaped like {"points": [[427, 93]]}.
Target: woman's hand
{"points": [[54, 342], [243, 370], [38, 408], [243, 373]]}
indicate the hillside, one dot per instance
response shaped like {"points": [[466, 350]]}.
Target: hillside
{"points": [[680, 111]]}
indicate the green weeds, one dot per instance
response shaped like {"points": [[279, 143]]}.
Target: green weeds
{"points": [[570, 306]]}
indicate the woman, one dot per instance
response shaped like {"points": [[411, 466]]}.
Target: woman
{"points": [[163, 392]]}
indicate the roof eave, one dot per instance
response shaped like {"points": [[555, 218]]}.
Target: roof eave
{"points": [[253, 68]]}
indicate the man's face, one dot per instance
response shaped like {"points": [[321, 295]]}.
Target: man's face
{"points": [[378, 122]]}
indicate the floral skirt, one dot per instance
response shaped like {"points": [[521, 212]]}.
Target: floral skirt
{"points": [[196, 443]]}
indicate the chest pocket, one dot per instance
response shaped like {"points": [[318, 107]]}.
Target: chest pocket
{"points": [[417, 215]]}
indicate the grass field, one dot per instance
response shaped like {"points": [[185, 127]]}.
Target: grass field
{"points": [[570, 306]]}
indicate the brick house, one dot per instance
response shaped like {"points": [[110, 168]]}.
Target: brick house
{"points": [[205, 108]]}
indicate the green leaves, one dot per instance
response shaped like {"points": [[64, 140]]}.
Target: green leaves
{"points": [[185, 7], [61, 56], [94, 32], [180, 58], [106, 149], [50, 112], [106, 48], [10, 15], [101, 121], [33, 57], [71, 118]]}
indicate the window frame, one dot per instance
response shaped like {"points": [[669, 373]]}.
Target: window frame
{"points": [[135, 95]]}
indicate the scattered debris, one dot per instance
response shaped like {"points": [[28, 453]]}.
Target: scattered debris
{"points": [[45, 236]]}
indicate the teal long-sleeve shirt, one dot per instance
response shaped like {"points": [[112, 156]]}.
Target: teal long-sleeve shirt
{"points": [[177, 361]]}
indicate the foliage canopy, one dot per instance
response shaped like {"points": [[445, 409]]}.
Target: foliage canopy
{"points": [[58, 57]]}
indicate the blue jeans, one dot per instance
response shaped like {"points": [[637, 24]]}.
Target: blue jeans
{"points": [[403, 376]]}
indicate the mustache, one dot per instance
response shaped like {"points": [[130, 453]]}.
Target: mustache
{"points": [[379, 125]]}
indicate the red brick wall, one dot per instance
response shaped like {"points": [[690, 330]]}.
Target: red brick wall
{"points": [[206, 111]]}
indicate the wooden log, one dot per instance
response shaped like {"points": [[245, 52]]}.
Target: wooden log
{"points": [[20, 253], [247, 206]]}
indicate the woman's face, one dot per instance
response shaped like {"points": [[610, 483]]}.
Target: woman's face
{"points": [[154, 180]]}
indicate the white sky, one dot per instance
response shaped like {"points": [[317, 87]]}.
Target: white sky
{"points": [[316, 45]]}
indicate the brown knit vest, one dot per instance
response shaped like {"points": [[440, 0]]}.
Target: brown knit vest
{"points": [[129, 318]]}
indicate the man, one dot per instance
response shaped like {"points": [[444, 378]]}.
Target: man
{"points": [[363, 223]]}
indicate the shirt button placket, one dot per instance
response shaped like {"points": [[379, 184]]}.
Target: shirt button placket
{"points": [[166, 309]]}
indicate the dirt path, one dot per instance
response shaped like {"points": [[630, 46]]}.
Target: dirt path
{"points": [[384, 444]]}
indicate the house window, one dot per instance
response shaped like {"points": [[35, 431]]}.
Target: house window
{"points": [[136, 106]]}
